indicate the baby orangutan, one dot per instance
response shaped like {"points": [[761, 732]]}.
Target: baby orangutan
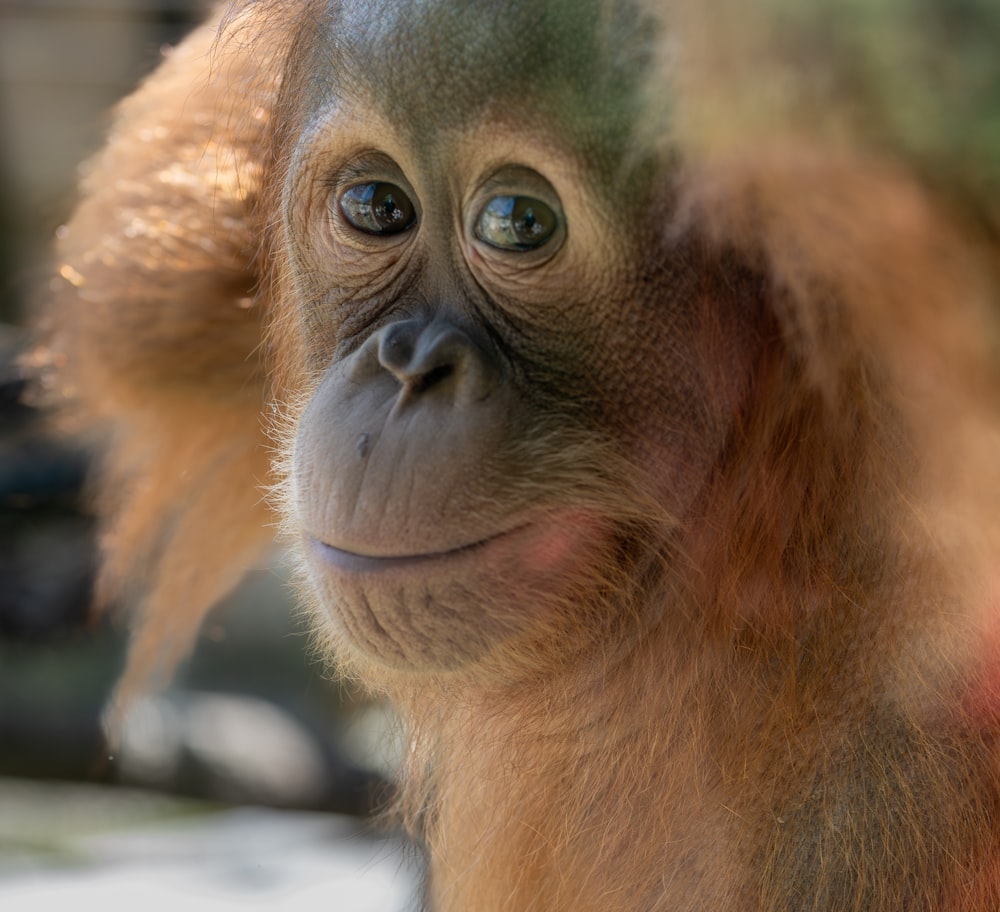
{"points": [[634, 383]]}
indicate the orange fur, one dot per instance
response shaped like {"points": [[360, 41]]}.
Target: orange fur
{"points": [[808, 721], [156, 319]]}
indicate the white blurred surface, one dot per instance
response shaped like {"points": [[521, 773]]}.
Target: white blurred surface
{"points": [[67, 847]]}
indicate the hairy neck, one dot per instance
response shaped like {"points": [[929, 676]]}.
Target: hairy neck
{"points": [[640, 783], [527, 803]]}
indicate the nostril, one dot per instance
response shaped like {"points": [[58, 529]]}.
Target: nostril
{"points": [[421, 382], [420, 356], [434, 357], [396, 347]]}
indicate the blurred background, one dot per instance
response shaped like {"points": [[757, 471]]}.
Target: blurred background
{"points": [[253, 779]]}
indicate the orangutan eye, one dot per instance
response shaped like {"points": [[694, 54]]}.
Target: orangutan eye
{"points": [[516, 223], [378, 208]]}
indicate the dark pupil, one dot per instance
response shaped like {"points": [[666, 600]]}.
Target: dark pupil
{"points": [[531, 220], [389, 213], [377, 208]]}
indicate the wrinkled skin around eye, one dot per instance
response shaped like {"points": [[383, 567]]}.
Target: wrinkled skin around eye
{"points": [[516, 223], [377, 208]]}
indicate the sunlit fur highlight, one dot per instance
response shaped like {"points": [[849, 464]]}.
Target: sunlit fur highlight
{"points": [[796, 709]]}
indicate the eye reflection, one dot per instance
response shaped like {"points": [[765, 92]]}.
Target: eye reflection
{"points": [[378, 208], [516, 223]]}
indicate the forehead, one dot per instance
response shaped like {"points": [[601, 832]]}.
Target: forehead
{"points": [[439, 63]]}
